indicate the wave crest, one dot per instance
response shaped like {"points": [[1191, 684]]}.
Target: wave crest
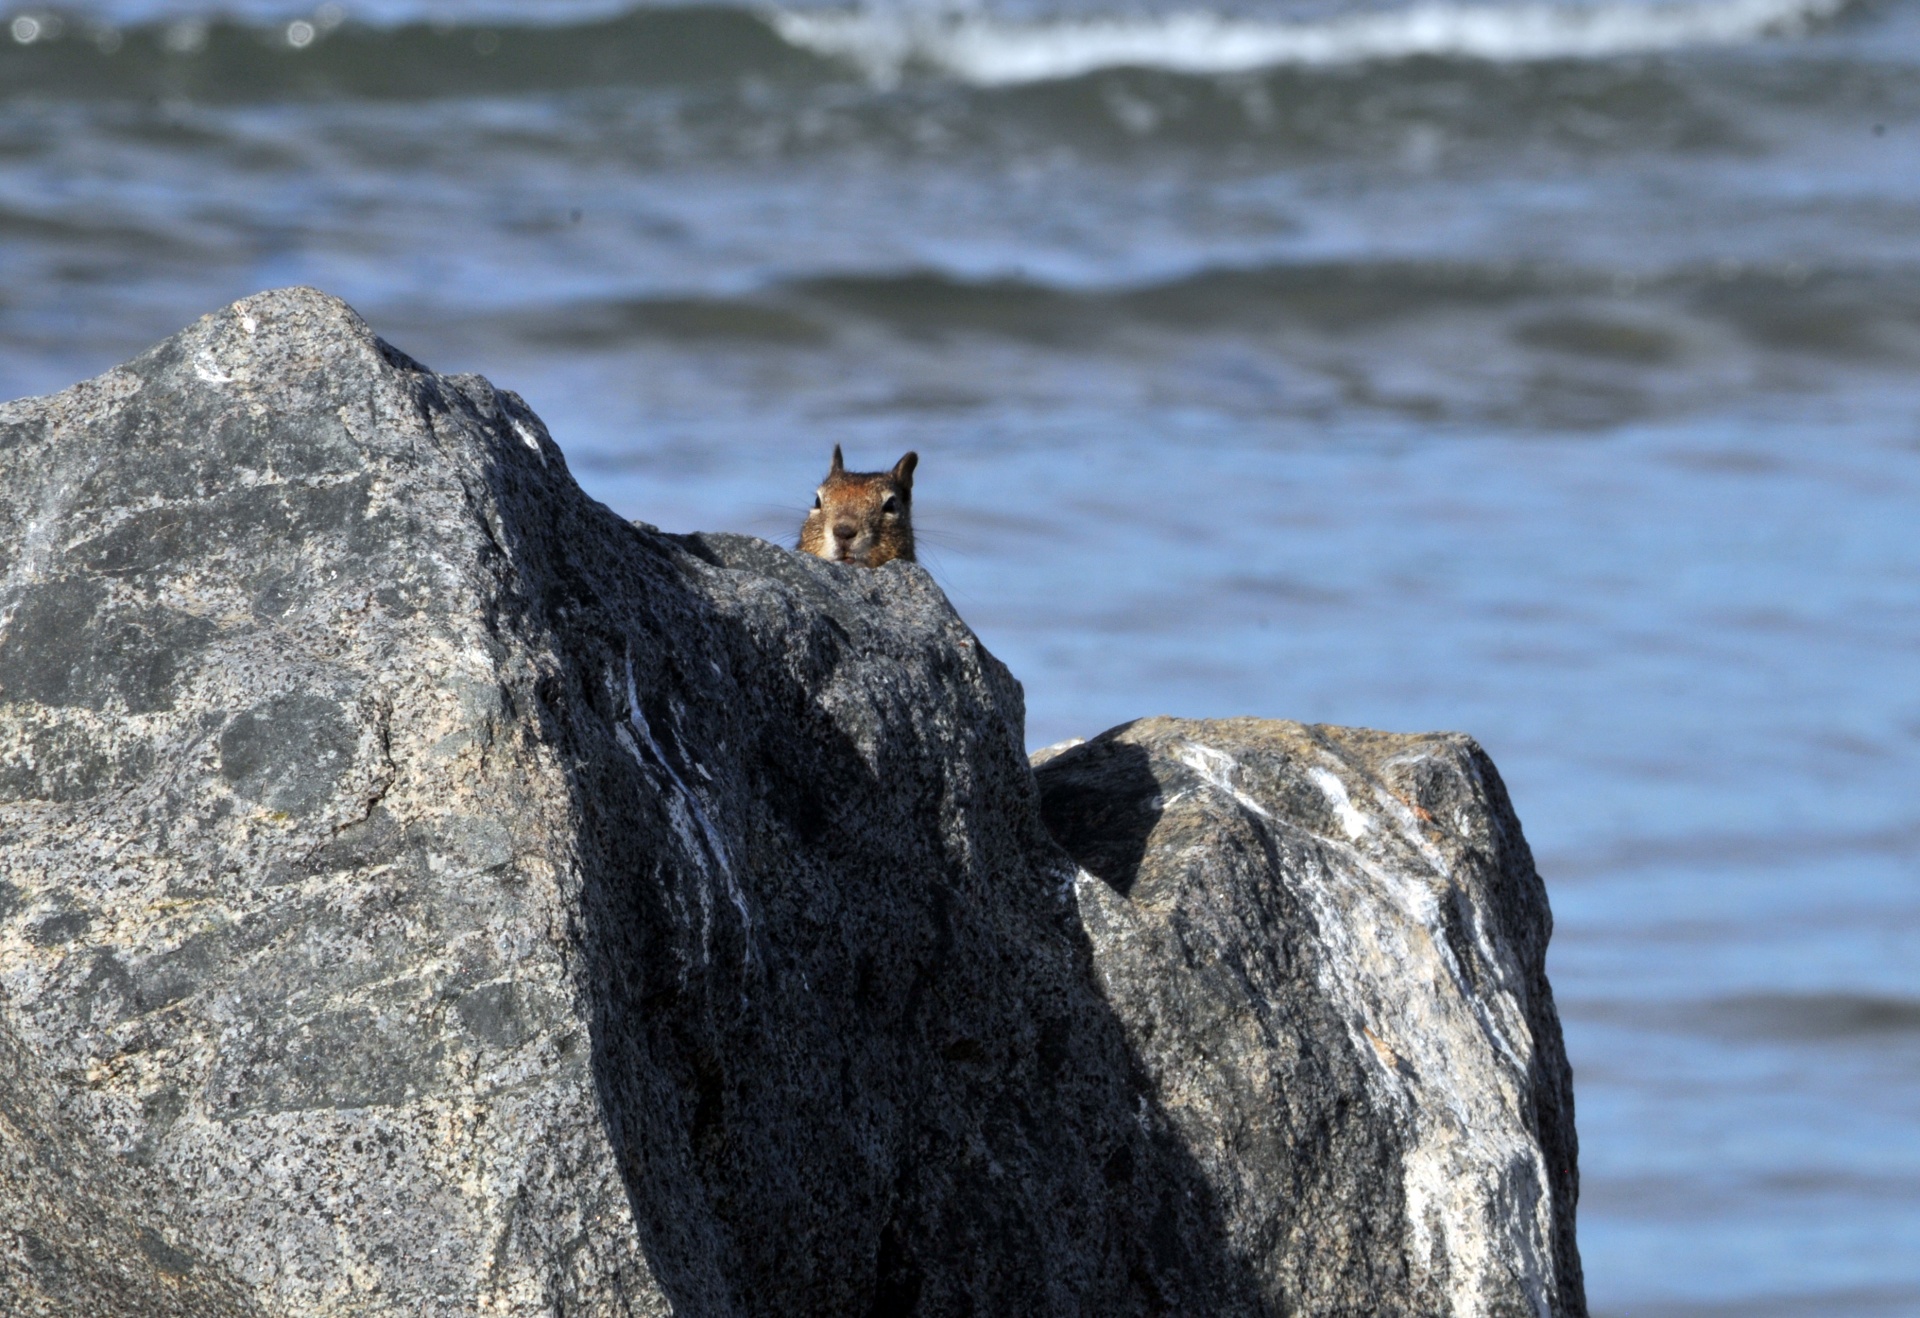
{"points": [[989, 51]]}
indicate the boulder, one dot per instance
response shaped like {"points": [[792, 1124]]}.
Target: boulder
{"points": [[423, 892], [1327, 948]]}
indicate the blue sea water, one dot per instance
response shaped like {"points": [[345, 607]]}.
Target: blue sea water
{"points": [[1549, 371]]}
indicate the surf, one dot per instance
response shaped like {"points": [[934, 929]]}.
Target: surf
{"points": [[986, 50]]}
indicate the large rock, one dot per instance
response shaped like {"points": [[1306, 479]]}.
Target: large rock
{"points": [[422, 892], [1328, 949]]}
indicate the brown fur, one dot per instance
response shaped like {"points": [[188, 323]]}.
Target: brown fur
{"points": [[863, 517]]}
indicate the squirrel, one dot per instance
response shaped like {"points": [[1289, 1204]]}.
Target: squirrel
{"points": [[863, 517]]}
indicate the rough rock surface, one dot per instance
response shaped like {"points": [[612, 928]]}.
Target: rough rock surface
{"points": [[76, 1237], [1328, 948], [422, 892]]}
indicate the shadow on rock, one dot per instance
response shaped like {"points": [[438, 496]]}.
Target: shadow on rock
{"points": [[846, 1033], [1101, 804]]}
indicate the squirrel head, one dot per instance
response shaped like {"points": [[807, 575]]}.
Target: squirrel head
{"points": [[863, 517]]}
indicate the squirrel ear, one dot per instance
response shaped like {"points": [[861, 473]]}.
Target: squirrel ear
{"points": [[903, 472], [838, 465]]}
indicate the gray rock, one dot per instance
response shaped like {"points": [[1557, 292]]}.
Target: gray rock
{"points": [[1328, 949], [75, 1236], [422, 892]]}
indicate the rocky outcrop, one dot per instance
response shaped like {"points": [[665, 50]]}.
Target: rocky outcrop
{"points": [[422, 892]]}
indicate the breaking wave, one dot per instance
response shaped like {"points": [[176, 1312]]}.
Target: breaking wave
{"points": [[235, 54], [991, 51]]}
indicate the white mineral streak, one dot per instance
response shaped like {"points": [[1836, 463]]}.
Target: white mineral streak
{"points": [[1355, 823], [683, 807], [530, 439], [36, 545], [677, 815], [207, 369], [1217, 767], [1402, 814], [1477, 1196]]}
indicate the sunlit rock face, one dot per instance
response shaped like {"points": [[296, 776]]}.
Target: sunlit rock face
{"points": [[1327, 946], [422, 892]]}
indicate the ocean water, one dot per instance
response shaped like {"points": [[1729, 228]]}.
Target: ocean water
{"points": [[1549, 371]]}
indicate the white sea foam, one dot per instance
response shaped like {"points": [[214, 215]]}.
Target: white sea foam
{"points": [[989, 51]]}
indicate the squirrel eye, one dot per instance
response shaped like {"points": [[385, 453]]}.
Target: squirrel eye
{"points": [[816, 503], [892, 505]]}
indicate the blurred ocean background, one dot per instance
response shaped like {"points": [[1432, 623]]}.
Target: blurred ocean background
{"points": [[1549, 371]]}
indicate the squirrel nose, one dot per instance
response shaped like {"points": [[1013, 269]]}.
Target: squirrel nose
{"points": [[844, 530]]}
